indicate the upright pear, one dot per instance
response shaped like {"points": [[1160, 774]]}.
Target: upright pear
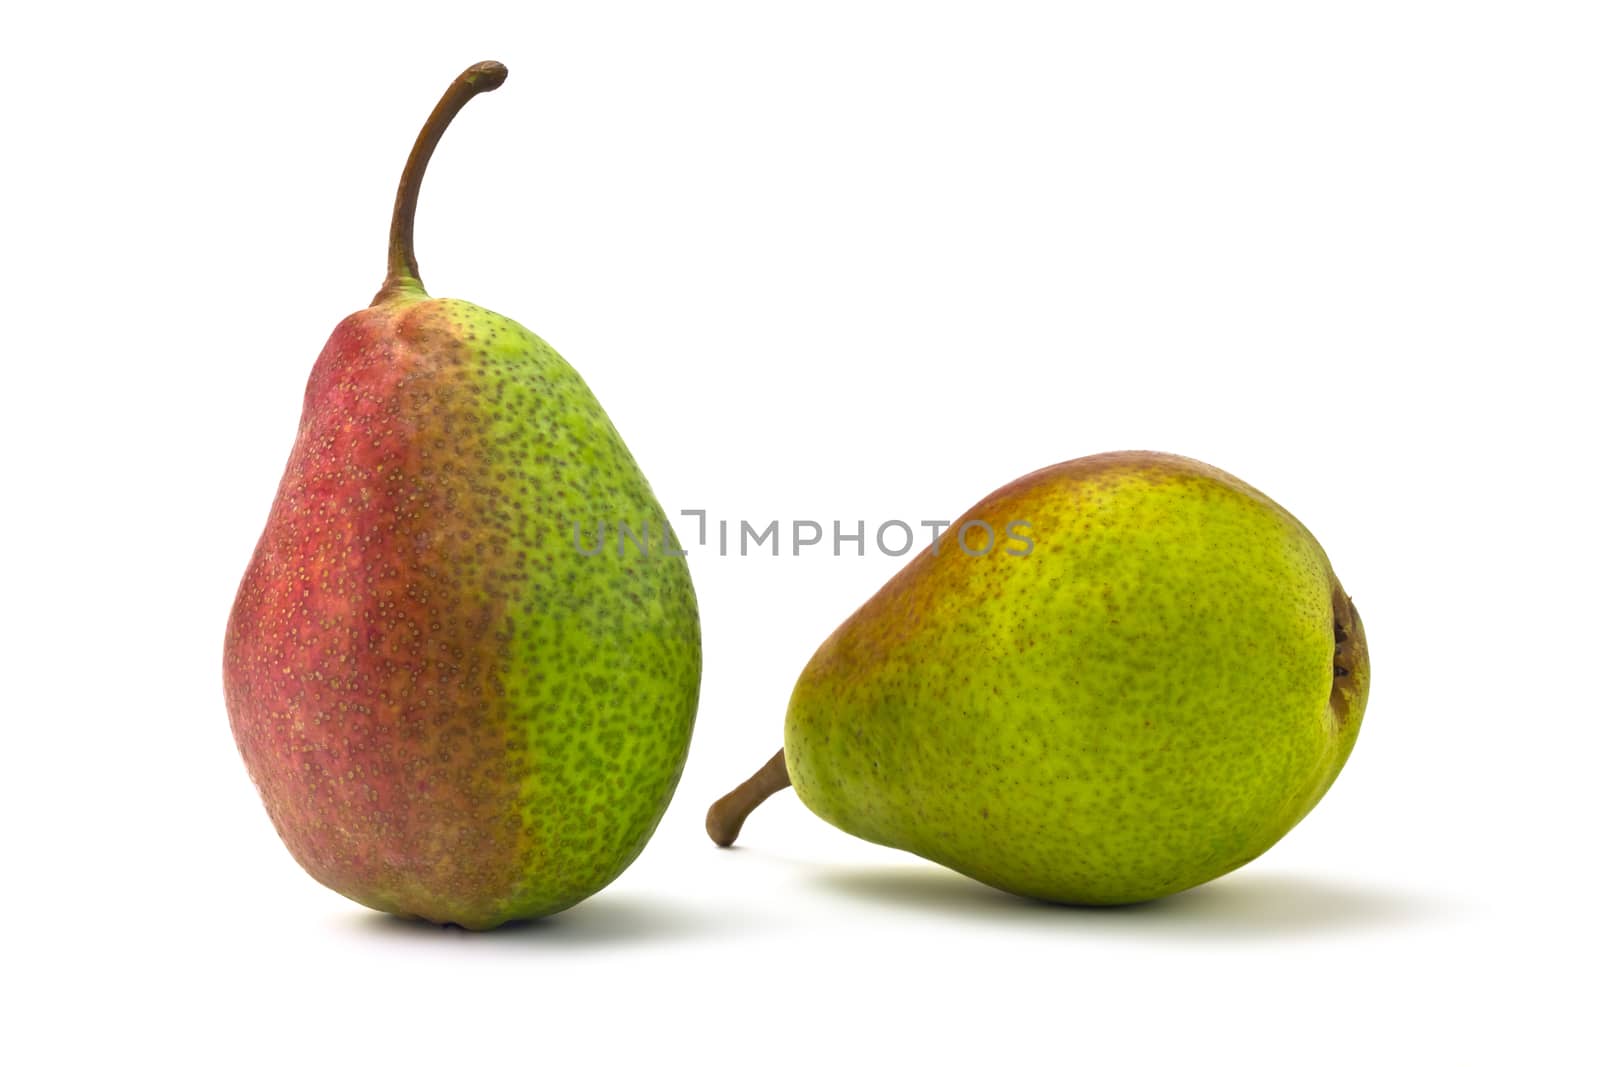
{"points": [[452, 705], [1111, 680]]}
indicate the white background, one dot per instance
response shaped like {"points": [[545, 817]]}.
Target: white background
{"points": [[853, 261]]}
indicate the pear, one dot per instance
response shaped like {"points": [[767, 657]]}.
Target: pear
{"points": [[1111, 680], [450, 709]]}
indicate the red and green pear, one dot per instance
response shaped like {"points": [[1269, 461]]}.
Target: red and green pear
{"points": [[1111, 680], [452, 705]]}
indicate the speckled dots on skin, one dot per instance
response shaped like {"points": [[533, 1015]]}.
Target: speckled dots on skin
{"points": [[449, 711], [1139, 704]]}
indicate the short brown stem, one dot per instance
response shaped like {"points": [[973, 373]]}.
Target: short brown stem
{"points": [[728, 814]]}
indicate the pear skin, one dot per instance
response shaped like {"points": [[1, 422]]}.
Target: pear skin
{"points": [[1145, 690]]}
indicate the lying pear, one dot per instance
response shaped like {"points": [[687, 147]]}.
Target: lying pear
{"points": [[1111, 680], [448, 709]]}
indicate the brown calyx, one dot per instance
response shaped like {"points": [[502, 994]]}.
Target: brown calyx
{"points": [[1349, 653]]}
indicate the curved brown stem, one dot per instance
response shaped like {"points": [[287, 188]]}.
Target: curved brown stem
{"points": [[478, 78], [728, 814]]}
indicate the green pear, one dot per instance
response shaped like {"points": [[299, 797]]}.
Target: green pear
{"points": [[1111, 680], [453, 705]]}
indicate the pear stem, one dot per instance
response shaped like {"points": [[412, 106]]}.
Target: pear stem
{"points": [[403, 276], [728, 814]]}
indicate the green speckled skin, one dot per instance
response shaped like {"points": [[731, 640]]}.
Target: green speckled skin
{"points": [[448, 710], [1145, 701]]}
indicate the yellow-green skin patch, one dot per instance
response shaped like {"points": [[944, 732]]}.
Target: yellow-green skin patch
{"points": [[450, 712], [1146, 700]]}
